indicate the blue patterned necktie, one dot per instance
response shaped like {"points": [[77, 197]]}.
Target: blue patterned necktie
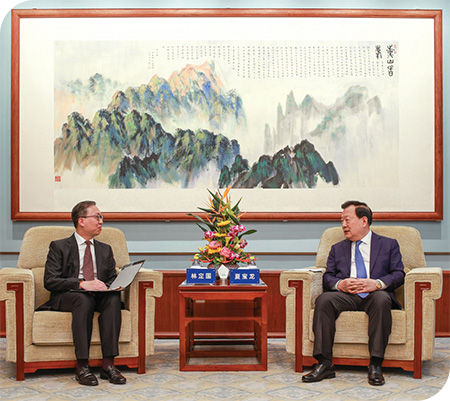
{"points": [[360, 267]]}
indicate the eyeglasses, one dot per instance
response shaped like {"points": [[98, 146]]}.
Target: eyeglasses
{"points": [[99, 217]]}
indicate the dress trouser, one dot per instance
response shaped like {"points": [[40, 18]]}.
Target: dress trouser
{"points": [[83, 305], [330, 304]]}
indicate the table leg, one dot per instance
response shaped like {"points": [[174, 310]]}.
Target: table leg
{"points": [[263, 339], [182, 330]]}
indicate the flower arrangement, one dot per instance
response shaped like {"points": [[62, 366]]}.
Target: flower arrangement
{"points": [[223, 231]]}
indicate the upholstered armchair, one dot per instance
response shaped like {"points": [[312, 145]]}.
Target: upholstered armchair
{"points": [[412, 337], [43, 339]]}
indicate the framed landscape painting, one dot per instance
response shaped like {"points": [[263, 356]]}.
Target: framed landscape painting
{"points": [[296, 110]]}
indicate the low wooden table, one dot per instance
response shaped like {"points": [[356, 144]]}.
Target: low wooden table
{"points": [[208, 296]]}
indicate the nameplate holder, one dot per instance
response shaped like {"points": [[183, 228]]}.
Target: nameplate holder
{"points": [[201, 276], [244, 276]]}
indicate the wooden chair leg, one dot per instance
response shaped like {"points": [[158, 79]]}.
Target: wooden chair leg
{"points": [[298, 285], [142, 313], [418, 322], [20, 329]]}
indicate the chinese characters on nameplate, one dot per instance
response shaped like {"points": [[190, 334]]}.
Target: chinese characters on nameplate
{"points": [[200, 276]]}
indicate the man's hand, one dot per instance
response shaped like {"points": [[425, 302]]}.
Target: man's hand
{"points": [[93, 285], [357, 285]]}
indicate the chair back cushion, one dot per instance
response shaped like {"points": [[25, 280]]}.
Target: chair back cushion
{"points": [[408, 239], [36, 243]]}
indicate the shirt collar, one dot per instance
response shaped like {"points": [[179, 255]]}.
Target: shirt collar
{"points": [[367, 239], [81, 240]]}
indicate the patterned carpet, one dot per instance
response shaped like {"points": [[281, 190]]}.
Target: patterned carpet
{"points": [[163, 381]]}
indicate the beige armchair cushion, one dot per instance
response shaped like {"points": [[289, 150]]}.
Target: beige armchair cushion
{"points": [[51, 327]]}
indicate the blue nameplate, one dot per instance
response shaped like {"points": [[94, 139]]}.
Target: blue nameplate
{"points": [[201, 276], [244, 276]]}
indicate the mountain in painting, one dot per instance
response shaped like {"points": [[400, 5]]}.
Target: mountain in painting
{"points": [[351, 132], [128, 145], [134, 151], [298, 167], [191, 98]]}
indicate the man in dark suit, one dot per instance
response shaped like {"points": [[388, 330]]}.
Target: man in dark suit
{"points": [[362, 273], [80, 262]]}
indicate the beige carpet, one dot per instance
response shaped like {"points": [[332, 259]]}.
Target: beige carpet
{"points": [[163, 381]]}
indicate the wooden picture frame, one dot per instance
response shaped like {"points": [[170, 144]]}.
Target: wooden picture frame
{"points": [[415, 193]]}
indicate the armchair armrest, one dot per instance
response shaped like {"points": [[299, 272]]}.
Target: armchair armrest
{"points": [[15, 275], [312, 280], [154, 289], [14, 284], [432, 275], [308, 284], [140, 300], [12, 275], [423, 286], [154, 276]]}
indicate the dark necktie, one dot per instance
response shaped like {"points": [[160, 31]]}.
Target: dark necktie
{"points": [[88, 265], [360, 267]]}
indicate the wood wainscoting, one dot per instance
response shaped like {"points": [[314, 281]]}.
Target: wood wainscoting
{"points": [[166, 320]]}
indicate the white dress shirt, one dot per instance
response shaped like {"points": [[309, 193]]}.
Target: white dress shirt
{"points": [[364, 247]]}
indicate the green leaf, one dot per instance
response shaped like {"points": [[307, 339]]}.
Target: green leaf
{"points": [[208, 211], [203, 221], [247, 233], [235, 219], [216, 200], [202, 228], [236, 207]]}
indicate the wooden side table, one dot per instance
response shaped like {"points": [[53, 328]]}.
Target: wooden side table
{"points": [[208, 295]]}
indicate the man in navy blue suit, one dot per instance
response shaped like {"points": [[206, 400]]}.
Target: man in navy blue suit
{"points": [[362, 273]]}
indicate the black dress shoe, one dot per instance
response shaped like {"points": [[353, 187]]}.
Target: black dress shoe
{"points": [[320, 372], [375, 375], [86, 377], [113, 375]]}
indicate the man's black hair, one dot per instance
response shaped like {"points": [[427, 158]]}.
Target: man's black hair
{"points": [[80, 210], [361, 209]]}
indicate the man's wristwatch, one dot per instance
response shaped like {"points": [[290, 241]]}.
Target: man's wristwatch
{"points": [[379, 285]]}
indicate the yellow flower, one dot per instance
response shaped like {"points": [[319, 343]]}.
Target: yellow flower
{"points": [[221, 235], [224, 223]]}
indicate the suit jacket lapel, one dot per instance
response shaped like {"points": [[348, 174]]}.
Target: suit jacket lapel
{"points": [[74, 254], [98, 258], [348, 254], [375, 247]]}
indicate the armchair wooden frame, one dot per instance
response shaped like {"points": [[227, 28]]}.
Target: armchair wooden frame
{"points": [[43, 339], [413, 366], [23, 367], [411, 341]]}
